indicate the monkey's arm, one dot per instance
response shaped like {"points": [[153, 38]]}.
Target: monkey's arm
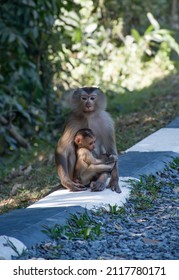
{"points": [[88, 158], [85, 170], [65, 160], [91, 164], [99, 168]]}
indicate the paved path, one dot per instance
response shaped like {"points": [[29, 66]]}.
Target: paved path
{"points": [[146, 157]]}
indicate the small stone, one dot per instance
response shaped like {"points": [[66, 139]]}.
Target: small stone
{"points": [[176, 190], [15, 189], [6, 247]]}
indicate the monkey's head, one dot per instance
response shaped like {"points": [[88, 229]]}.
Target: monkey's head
{"points": [[88, 100], [85, 138]]}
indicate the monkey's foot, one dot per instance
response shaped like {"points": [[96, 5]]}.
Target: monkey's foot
{"points": [[114, 185], [97, 186]]}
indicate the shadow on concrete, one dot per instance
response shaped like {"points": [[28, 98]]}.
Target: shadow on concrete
{"points": [[174, 123], [26, 224]]}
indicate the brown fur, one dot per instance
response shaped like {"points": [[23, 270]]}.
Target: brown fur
{"points": [[87, 166], [88, 111]]}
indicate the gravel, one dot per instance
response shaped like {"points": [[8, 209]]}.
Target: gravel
{"points": [[137, 234]]}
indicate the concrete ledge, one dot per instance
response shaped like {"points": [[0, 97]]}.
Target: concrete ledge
{"points": [[86, 199], [163, 140], [135, 164]]}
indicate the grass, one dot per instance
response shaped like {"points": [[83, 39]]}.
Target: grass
{"points": [[138, 114], [144, 192], [81, 226], [28, 175]]}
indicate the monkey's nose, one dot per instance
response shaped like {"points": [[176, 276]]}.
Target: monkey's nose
{"points": [[88, 105]]}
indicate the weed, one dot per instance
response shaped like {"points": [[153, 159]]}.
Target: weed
{"points": [[78, 226], [144, 192], [116, 210], [14, 248], [174, 164], [56, 232]]}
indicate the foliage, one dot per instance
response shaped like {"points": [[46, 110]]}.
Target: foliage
{"points": [[78, 226], [144, 192], [174, 164], [133, 13], [131, 62], [27, 35], [116, 210], [10, 244], [48, 46]]}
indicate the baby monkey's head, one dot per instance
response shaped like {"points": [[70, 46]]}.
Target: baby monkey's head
{"points": [[85, 138]]}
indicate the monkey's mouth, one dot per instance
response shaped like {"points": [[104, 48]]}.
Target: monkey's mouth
{"points": [[88, 109]]}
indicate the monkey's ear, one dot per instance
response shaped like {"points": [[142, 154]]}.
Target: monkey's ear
{"points": [[78, 139]]}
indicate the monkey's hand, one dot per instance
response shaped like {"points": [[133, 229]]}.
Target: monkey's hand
{"points": [[78, 187], [74, 186], [111, 159]]}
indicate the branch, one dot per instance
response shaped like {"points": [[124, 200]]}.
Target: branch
{"points": [[3, 120], [13, 131]]}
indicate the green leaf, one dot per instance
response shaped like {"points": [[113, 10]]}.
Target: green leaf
{"points": [[35, 14], [136, 35], [22, 41], [149, 29], [153, 21], [1, 78], [12, 38], [22, 111], [91, 28], [35, 32]]}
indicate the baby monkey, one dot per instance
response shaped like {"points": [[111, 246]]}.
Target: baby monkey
{"points": [[88, 167]]}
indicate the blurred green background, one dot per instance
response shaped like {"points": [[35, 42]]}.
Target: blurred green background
{"points": [[48, 47]]}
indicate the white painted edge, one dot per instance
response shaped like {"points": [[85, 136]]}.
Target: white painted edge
{"points": [[87, 199]]}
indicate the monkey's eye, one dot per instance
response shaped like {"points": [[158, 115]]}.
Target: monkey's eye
{"points": [[84, 98], [92, 98], [92, 142]]}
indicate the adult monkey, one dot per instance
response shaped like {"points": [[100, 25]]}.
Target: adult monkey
{"points": [[88, 106]]}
